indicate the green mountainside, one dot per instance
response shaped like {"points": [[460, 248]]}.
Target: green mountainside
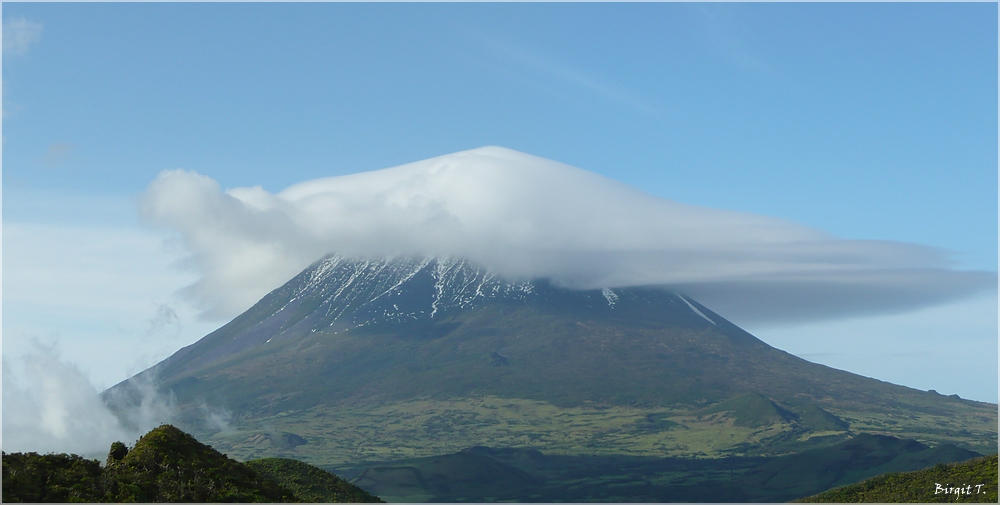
{"points": [[851, 461], [969, 481], [488, 475], [362, 364], [167, 465], [308, 483]]}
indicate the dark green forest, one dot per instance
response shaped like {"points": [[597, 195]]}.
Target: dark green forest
{"points": [[168, 465]]}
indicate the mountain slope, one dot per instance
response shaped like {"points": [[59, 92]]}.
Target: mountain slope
{"points": [[861, 457], [974, 481], [405, 357], [310, 484]]}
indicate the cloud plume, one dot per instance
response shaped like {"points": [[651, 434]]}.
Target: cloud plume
{"points": [[52, 407], [529, 217]]}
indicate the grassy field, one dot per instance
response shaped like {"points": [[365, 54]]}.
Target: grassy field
{"points": [[975, 430], [353, 434]]}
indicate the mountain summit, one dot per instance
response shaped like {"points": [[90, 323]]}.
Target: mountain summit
{"points": [[376, 359]]}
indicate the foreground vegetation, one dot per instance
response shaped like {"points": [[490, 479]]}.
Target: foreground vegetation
{"points": [[969, 481], [168, 465], [308, 483]]}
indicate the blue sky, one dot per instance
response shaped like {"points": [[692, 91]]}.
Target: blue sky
{"points": [[866, 121], [869, 121]]}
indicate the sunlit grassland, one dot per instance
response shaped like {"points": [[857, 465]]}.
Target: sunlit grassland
{"points": [[352, 434], [418, 428], [975, 429]]}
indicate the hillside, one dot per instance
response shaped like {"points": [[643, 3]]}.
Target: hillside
{"points": [[308, 483], [166, 465], [492, 475], [969, 481], [851, 461]]}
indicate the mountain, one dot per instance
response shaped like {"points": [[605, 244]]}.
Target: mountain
{"points": [[973, 481], [370, 360]]}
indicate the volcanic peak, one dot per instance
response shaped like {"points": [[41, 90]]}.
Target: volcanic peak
{"points": [[338, 294], [362, 291], [343, 293]]}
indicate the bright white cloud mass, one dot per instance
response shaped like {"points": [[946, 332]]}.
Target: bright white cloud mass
{"points": [[52, 407], [529, 217]]}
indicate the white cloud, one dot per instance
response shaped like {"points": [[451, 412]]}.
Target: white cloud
{"points": [[92, 288], [19, 34], [52, 407], [528, 217]]}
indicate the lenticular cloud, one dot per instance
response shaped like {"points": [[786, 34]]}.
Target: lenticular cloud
{"points": [[529, 217]]}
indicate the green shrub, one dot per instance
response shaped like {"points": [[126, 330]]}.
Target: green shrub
{"points": [[977, 479]]}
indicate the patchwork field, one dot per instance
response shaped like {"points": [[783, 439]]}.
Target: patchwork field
{"points": [[355, 434]]}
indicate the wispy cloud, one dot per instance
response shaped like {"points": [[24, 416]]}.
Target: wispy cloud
{"points": [[529, 217], [166, 317], [722, 34], [52, 407], [57, 153], [18, 35], [527, 65]]}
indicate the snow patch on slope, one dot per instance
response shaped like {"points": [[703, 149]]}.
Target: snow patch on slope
{"points": [[695, 309], [610, 296], [388, 289]]}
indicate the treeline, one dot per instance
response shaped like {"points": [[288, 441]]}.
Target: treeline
{"points": [[168, 465]]}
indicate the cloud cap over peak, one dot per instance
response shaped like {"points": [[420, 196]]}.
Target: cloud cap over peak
{"points": [[529, 217]]}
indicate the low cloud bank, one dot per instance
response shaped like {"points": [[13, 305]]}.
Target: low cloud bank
{"points": [[52, 407], [528, 217]]}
